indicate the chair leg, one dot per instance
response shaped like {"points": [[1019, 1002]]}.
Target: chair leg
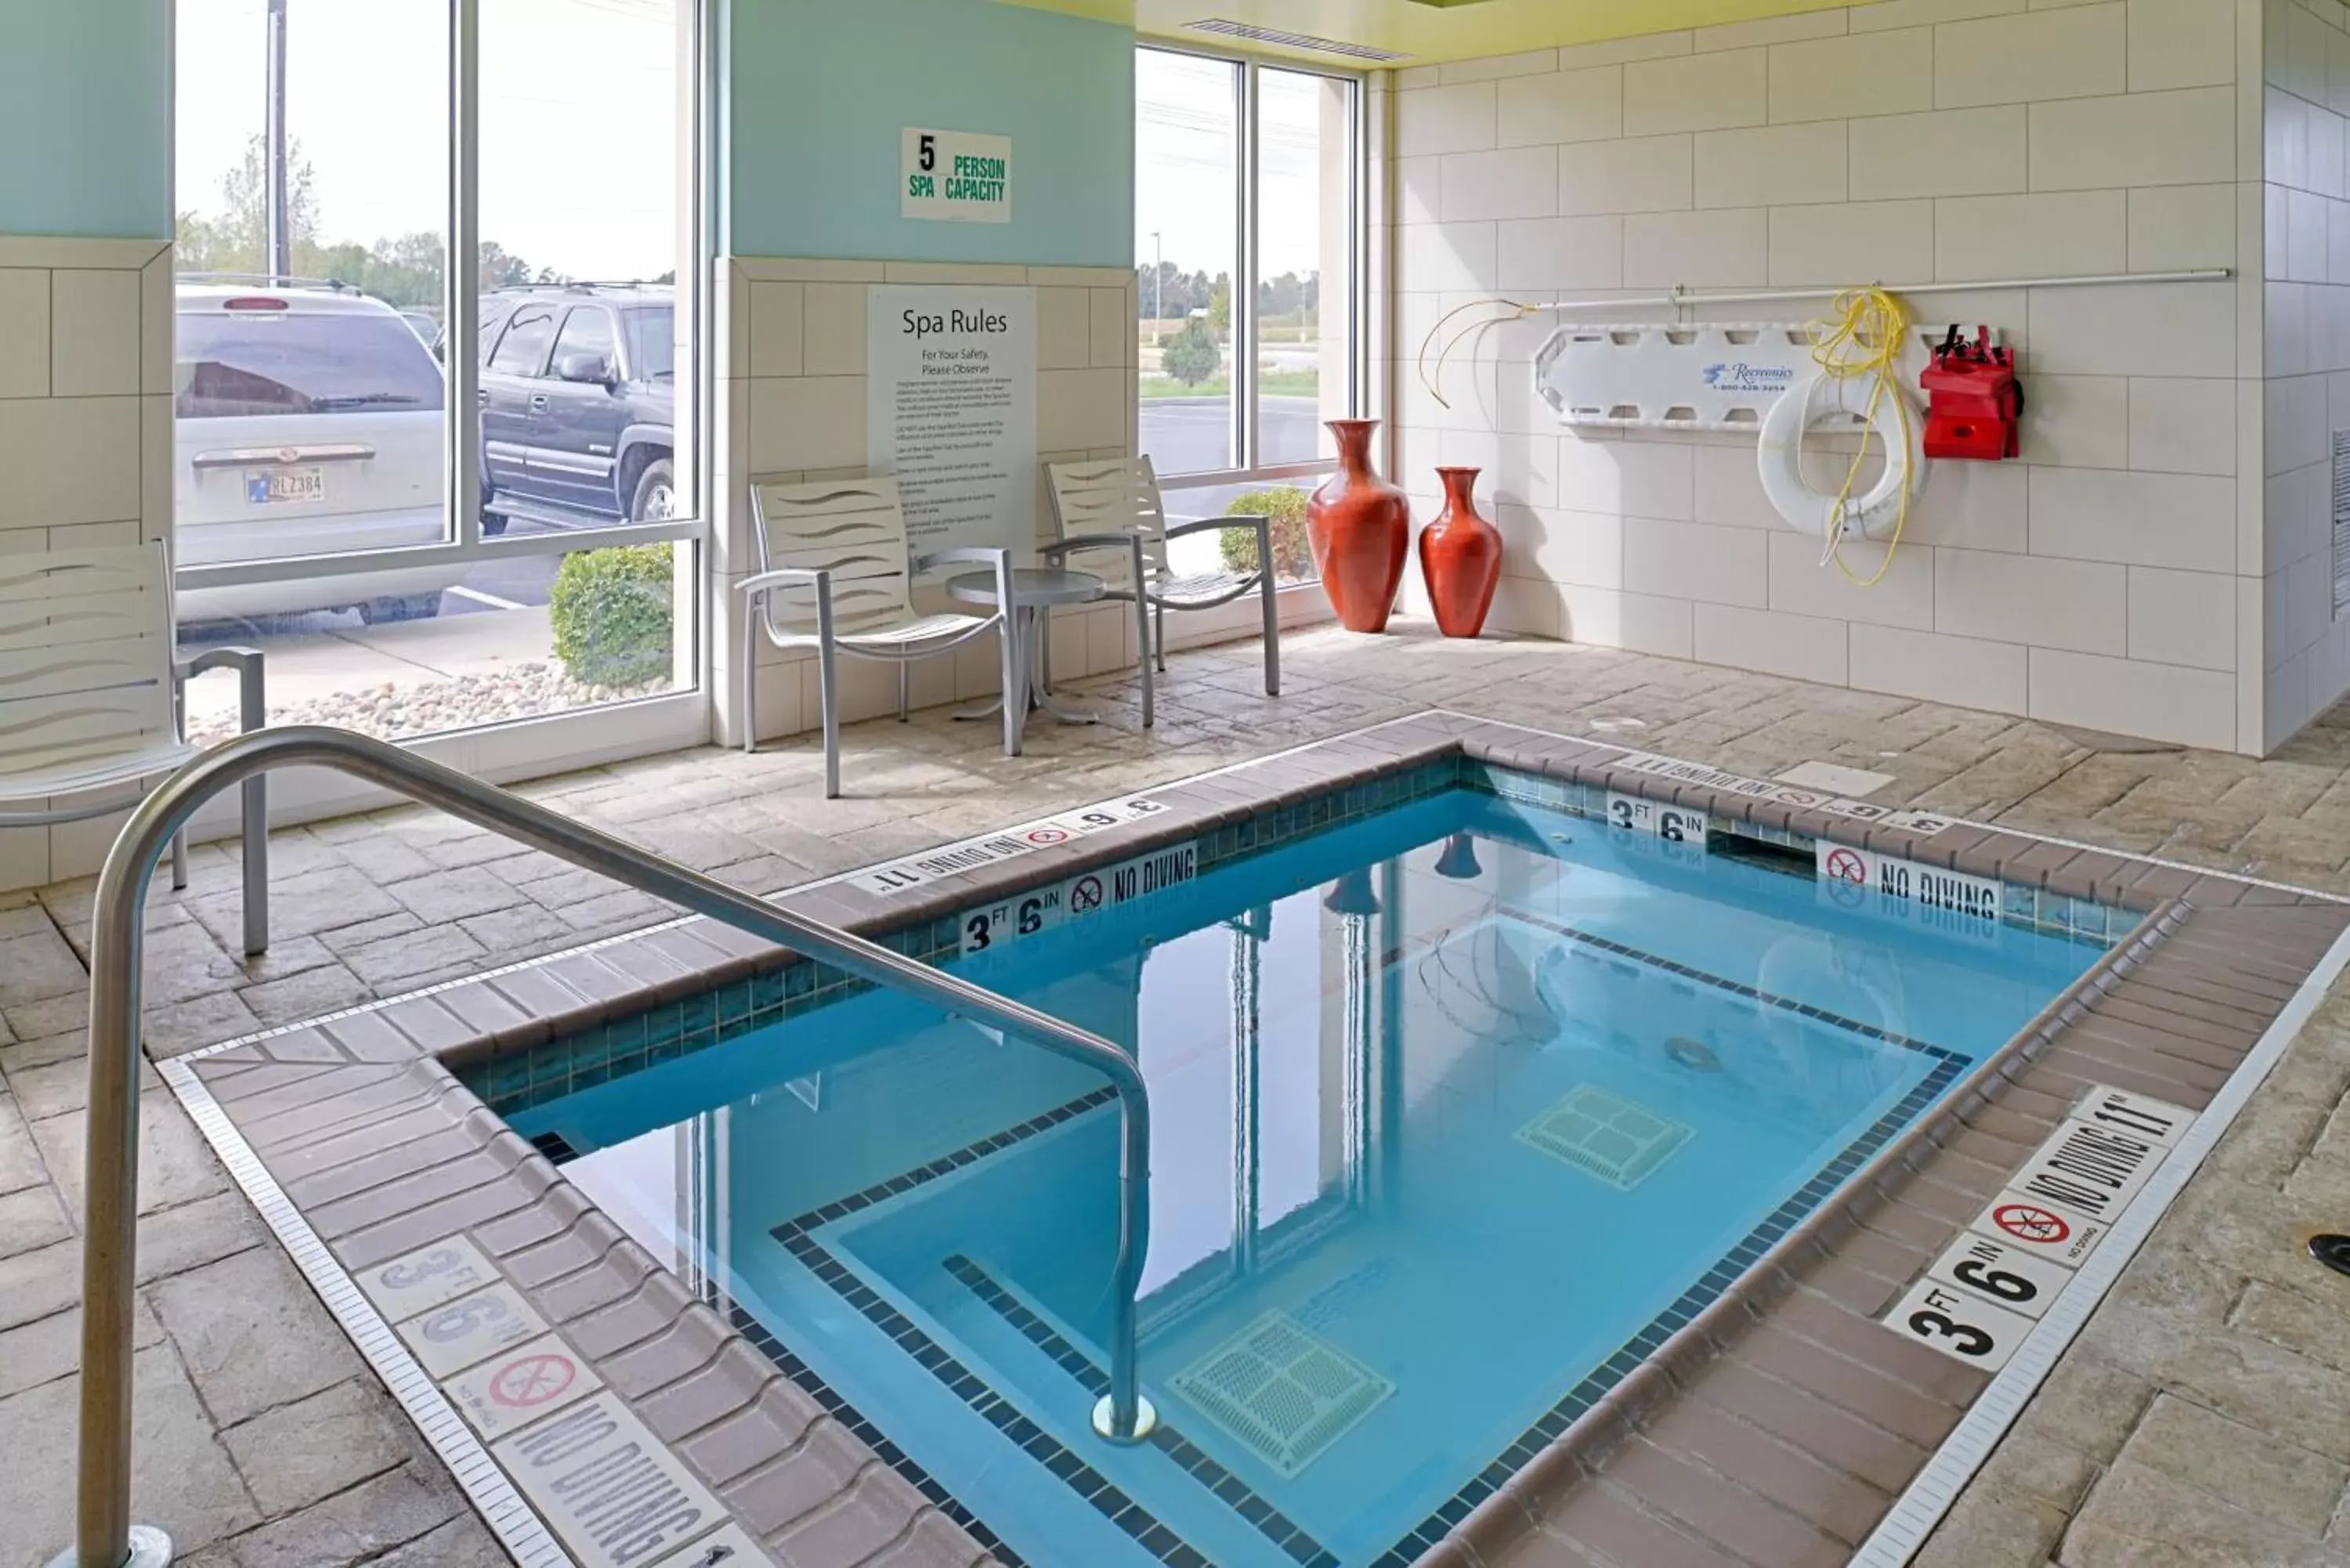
{"points": [[1040, 668], [1272, 638], [256, 846], [905, 690], [827, 668], [253, 713], [1158, 643], [179, 839], [1149, 681], [1015, 688], [750, 681]]}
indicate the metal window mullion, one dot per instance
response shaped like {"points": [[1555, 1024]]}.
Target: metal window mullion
{"points": [[701, 251], [1358, 268], [1244, 322], [1247, 1032], [289, 568], [462, 331], [1202, 479]]}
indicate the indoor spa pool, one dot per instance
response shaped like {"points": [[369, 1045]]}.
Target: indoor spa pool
{"points": [[1458, 1111]]}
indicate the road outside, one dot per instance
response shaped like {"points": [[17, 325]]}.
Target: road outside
{"points": [[1190, 435], [1193, 435]]}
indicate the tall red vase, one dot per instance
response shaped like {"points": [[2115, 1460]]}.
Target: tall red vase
{"points": [[1360, 529], [1461, 558]]}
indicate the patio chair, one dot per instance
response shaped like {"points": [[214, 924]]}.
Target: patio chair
{"points": [[91, 698], [1120, 496], [835, 573]]}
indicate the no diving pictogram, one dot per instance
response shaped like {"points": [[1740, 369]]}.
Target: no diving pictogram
{"points": [[1847, 866], [1046, 835], [1085, 894], [2029, 1222], [531, 1380]]}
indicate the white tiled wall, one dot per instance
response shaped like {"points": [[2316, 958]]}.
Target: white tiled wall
{"points": [[2102, 580], [2302, 650], [85, 438]]}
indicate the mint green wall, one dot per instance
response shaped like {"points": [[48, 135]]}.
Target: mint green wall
{"points": [[820, 90], [85, 118]]}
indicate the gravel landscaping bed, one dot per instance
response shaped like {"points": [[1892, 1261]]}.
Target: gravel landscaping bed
{"points": [[394, 712]]}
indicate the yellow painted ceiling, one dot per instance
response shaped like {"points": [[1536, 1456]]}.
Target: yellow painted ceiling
{"points": [[1459, 30]]}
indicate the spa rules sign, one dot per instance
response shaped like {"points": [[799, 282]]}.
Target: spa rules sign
{"points": [[950, 411]]}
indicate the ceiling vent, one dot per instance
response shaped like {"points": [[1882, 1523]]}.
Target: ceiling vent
{"points": [[1280, 39]]}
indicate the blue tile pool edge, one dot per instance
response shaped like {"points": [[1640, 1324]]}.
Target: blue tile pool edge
{"points": [[513, 1081]]}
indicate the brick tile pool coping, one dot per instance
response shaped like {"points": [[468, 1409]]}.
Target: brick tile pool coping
{"points": [[1780, 1425]]}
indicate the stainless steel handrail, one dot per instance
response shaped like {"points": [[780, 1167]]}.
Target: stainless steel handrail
{"points": [[104, 1535]]}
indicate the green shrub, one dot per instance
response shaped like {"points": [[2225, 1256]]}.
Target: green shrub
{"points": [[612, 614], [1292, 554], [1190, 356]]}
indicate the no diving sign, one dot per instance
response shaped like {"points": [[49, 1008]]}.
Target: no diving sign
{"points": [[954, 859], [614, 1495], [1982, 1294], [510, 1390], [1084, 894]]}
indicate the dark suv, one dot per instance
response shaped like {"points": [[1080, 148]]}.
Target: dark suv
{"points": [[578, 393]]}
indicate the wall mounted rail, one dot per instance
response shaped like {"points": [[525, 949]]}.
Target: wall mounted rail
{"points": [[105, 1537]]}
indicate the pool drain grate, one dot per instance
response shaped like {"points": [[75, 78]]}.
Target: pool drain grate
{"points": [[1606, 1137], [1285, 1394]]}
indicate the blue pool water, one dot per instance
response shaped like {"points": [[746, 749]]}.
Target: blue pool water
{"points": [[1456, 1112]]}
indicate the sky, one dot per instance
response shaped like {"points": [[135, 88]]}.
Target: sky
{"points": [[1186, 138], [578, 130], [578, 112]]}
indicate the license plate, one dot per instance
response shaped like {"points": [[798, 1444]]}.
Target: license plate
{"points": [[284, 486]]}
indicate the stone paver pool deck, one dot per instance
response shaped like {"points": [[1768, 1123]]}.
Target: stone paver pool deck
{"points": [[2198, 1420]]}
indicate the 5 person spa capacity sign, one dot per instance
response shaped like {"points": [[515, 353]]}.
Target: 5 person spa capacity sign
{"points": [[957, 176]]}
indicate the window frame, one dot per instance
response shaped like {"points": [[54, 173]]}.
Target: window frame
{"points": [[464, 349], [1246, 398]]}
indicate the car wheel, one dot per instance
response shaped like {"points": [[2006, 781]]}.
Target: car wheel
{"points": [[403, 606], [656, 497]]}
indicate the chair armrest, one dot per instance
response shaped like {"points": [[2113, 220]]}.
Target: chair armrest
{"points": [[1202, 525], [963, 555], [778, 578], [213, 658], [253, 705], [1087, 542]]}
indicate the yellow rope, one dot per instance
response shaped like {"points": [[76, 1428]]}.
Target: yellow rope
{"points": [[1864, 336], [1517, 312]]}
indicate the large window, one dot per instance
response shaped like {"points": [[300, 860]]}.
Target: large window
{"points": [[1247, 186], [439, 495]]}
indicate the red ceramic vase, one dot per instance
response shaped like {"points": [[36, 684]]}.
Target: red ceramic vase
{"points": [[1459, 557], [1360, 529]]}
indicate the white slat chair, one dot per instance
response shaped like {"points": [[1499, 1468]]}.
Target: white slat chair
{"points": [[1119, 496], [90, 699], [836, 574]]}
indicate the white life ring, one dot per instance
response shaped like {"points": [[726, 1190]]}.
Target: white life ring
{"points": [[1780, 454]]}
